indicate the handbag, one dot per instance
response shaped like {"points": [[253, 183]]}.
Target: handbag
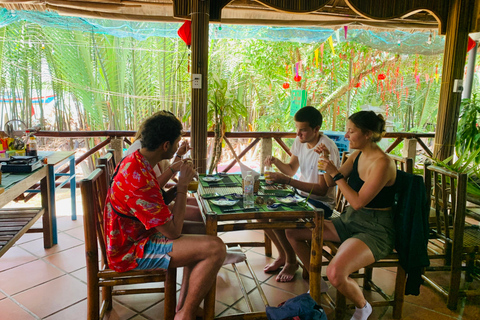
{"points": [[301, 307]]}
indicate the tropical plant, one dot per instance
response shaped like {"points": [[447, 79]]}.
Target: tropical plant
{"points": [[468, 133]]}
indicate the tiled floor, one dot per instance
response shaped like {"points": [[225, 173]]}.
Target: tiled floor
{"points": [[38, 283]]}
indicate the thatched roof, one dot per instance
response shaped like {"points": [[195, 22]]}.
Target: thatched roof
{"points": [[327, 13]]}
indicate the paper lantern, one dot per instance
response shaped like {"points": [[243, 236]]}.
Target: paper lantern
{"points": [[381, 76], [357, 85], [286, 85], [471, 44], [185, 32], [297, 78]]}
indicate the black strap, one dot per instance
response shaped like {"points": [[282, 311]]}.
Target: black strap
{"points": [[124, 215]]}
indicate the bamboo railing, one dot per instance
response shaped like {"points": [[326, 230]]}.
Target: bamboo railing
{"points": [[116, 139]]}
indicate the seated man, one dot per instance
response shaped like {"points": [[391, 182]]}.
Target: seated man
{"points": [[143, 233], [164, 171], [308, 121]]}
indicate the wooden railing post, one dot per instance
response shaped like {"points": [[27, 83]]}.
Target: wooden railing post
{"points": [[409, 149], [117, 146], [266, 151]]}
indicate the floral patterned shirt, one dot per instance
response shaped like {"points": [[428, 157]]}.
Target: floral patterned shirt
{"points": [[134, 192]]}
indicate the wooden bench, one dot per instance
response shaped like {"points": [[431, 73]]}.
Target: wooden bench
{"points": [[15, 222]]}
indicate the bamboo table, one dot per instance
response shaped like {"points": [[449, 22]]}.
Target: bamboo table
{"points": [[248, 219]]}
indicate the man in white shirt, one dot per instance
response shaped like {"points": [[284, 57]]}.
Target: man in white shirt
{"points": [[308, 121]]}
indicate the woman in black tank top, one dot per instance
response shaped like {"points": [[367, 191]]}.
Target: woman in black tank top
{"points": [[365, 228]]}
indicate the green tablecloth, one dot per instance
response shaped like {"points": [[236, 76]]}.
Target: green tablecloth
{"points": [[231, 180], [261, 207], [10, 178]]}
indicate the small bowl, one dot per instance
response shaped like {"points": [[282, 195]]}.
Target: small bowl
{"points": [[274, 206]]}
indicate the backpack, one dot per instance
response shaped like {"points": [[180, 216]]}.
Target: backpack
{"points": [[301, 307]]}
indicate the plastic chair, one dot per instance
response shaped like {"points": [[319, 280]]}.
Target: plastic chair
{"points": [[94, 191], [457, 240]]}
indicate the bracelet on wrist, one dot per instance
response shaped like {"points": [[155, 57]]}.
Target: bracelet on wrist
{"points": [[178, 156], [337, 177], [289, 180], [173, 171]]}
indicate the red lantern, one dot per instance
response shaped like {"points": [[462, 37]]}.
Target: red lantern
{"points": [[185, 32], [286, 85], [358, 85], [381, 76], [297, 78]]}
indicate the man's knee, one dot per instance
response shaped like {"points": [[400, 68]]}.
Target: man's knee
{"points": [[216, 248]]}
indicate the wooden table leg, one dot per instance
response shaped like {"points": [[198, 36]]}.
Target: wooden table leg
{"points": [[47, 218], [316, 256], [209, 302]]}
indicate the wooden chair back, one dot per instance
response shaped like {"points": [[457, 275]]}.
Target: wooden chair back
{"points": [[94, 191], [457, 240]]}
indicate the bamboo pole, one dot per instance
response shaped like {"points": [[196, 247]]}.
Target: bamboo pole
{"points": [[458, 25], [200, 20]]}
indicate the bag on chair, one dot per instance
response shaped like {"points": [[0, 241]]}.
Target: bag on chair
{"points": [[301, 307]]}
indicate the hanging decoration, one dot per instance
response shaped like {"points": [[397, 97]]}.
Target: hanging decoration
{"points": [[316, 57], [345, 28], [185, 32], [471, 44], [358, 85], [286, 85], [330, 42], [436, 73], [381, 76], [297, 77]]}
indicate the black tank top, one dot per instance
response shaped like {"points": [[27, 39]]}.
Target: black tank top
{"points": [[383, 199]]}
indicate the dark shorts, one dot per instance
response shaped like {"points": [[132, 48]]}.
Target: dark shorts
{"points": [[319, 204], [373, 227]]}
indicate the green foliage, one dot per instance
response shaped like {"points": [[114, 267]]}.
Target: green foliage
{"points": [[468, 133]]}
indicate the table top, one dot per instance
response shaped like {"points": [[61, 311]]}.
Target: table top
{"points": [[55, 157], [237, 211], [26, 181]]}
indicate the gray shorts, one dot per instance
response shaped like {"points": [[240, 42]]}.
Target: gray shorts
{"points": [[373, 227]]}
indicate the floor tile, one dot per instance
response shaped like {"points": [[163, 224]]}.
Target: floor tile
{"points": [[27, 276], [69, 260], [15, 256], [78, 311], [77, 233], [228, 288], [64, 242], [12, 311], [53, 296]]}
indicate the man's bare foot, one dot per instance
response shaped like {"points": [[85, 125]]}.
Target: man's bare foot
{"points": [[287, 273], [274, 266]]}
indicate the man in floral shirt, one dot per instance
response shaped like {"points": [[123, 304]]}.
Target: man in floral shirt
{"points": [[143, 233]]}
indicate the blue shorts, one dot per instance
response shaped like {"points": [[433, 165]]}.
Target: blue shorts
{"points": [[155, 254]]}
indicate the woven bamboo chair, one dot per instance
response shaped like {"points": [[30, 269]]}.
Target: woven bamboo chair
{"points": [[391, 261], [94, 191], [458, 241]]}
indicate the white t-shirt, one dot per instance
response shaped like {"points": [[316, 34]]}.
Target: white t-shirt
{"points": [[137, 145], [308, 160]]}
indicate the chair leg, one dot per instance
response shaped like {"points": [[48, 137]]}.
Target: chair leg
{"points": [[107, 297], [268, 245], [455, 276], [470, 264], [170, 302], [93, 301], [399, 295], [367, 277], [340, 306]]}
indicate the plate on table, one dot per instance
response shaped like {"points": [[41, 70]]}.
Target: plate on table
{"points": [[224, 202], [273, 206], [210, 195], [287, 200], [212, 178]]}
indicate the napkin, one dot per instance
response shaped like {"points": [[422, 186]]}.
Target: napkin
{"points": [[245, 170]]}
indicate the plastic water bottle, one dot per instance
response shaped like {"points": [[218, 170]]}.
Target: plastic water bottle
{"points": [[248, 197]]}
